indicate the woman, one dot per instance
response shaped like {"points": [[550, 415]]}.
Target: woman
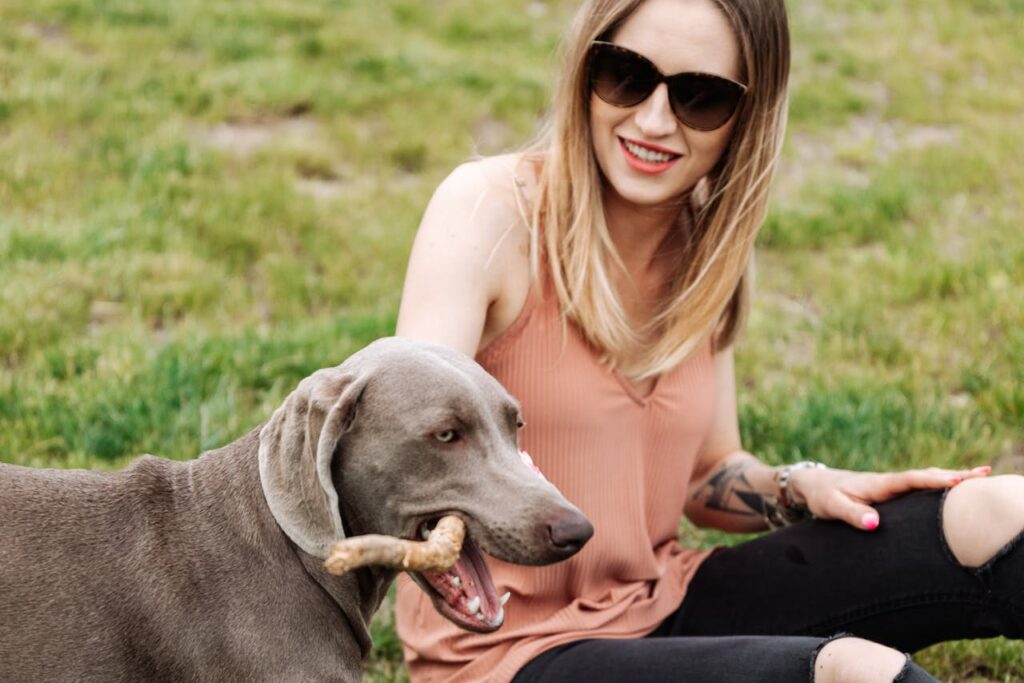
{"points": [[602, 277]]}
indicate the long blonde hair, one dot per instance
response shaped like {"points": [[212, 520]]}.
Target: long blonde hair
{"points": [[710, 292]]}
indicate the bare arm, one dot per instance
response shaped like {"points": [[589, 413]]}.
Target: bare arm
{"points": [[731, 489], [467, 264]]}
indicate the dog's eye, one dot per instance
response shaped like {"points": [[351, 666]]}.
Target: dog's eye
{"points": [[447, 436]]}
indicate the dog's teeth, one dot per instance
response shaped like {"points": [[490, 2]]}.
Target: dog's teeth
{"points": [[424, 533], [480, 617], [504, 598], [500, 619], [456, 581], [473, 605]]}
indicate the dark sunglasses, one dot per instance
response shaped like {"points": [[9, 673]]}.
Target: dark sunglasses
{"points": [[624, 78]]}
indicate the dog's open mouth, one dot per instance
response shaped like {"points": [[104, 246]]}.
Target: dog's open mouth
{"points": [[465, 594]]}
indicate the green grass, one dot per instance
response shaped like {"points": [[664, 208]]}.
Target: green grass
{"points": [[202, 202]]}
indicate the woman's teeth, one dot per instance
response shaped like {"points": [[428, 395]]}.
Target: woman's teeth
{"points": [[648, 155]]}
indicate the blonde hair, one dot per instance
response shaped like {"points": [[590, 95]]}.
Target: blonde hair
{"points": [[710, 292]]}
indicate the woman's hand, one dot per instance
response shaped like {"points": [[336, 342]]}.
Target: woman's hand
{"points": [[847, 496]]}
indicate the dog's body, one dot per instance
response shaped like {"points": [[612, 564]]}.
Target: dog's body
{"points": [[212, 569], [170, 571]]}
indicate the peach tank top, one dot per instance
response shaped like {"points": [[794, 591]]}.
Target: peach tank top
{"points": [[625, 460]]}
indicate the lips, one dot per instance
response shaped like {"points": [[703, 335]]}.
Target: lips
{"points": [[646, 158], [465, 594]]}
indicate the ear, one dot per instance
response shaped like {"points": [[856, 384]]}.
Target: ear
{"points": [[297, 448]]}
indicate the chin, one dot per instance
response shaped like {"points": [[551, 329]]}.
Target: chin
{"points": [[648, 191], [649, 195]]}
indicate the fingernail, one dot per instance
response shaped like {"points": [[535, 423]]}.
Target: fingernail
{"points": [[869, 521], [984, 469], [953, 481]]}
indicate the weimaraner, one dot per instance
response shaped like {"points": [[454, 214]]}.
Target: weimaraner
{"points": [[212, 570]]}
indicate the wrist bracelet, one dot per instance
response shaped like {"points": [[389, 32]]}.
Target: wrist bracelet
{"points": [[788, 511], [784, 496]]}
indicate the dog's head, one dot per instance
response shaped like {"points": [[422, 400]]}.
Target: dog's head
{"points": [[399, 435]]}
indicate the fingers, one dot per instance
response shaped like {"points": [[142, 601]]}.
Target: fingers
{"points": [[854, 513], [849, 502], [894, 483]]}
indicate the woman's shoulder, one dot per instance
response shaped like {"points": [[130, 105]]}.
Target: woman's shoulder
{"points": [[469, 264], [482, 206], [499, 184]]}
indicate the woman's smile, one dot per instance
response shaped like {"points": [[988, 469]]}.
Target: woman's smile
{"points": [[647, 158]]}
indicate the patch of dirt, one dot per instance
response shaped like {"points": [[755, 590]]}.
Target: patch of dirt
{"points": [[105, 312], [822, 17], [321, 179], [490, 136], [245, 135], [811, 154], [959, 400], [951, 234], [53, 34], [797, 347], [320, 188], [804, 310], [1011, 461], [536, 10], [243, 138]]}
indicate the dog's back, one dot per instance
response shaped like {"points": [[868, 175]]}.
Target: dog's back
{"points": [[157, 572], [68, 540]]}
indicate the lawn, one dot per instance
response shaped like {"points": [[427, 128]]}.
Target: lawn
{"points": [[201, 202]]}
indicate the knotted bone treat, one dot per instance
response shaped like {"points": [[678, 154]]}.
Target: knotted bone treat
{"points": [[438, 553]]}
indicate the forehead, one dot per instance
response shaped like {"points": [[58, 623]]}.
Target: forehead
{"points": [[412, 384], [682, 35]]}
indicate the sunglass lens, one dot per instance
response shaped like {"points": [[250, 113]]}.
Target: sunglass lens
{"points": [[619, 77], [704, 102]]}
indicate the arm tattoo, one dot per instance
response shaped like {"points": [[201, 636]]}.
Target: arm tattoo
{"points": [[729, 490]]}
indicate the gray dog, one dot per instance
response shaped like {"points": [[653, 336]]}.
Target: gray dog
{"points": [[212, 569]]}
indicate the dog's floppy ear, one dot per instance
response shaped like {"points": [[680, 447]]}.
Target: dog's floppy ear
{"points": [[297, 447]]}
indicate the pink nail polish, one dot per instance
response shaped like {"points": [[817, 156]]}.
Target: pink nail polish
{"points": [[953, 481], [984, 469], [869, 521]]}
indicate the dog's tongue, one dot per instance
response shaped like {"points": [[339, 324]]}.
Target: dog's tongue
{"points": [[468, 588]]}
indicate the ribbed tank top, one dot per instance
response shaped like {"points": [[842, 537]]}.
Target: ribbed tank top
{"points": [[624, 459]]}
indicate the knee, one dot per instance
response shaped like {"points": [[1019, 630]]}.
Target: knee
{"points": [[981, 516], [854, 660]]}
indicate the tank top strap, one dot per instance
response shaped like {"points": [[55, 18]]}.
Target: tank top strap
{"points": [[536, 293]]}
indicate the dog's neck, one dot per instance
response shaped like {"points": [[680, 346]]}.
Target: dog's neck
{"points": [[368, 584], [215, 478]]}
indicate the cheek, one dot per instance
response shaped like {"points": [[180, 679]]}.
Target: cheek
{"points": [[600, 132], [603, 119], [710, 145]]}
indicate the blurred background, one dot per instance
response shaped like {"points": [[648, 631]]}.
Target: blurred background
{"points": [[203, 201]]}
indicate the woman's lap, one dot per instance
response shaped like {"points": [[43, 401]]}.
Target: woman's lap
{"points": [[751, 659], [898, 585], [767, 604]]}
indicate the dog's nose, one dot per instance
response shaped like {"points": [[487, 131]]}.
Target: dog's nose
{"points": [[567, 533]]}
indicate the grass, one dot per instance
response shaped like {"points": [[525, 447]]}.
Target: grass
{"points": [[202, 202]]}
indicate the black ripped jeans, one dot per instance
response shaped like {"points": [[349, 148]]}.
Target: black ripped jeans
{"points": [[760, 612]]}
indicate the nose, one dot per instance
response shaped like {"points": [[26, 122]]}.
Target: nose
{"points": [[655, 117], [568, 532]]}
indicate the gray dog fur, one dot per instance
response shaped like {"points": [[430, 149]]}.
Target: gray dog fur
{"points": [[211, 570]]}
